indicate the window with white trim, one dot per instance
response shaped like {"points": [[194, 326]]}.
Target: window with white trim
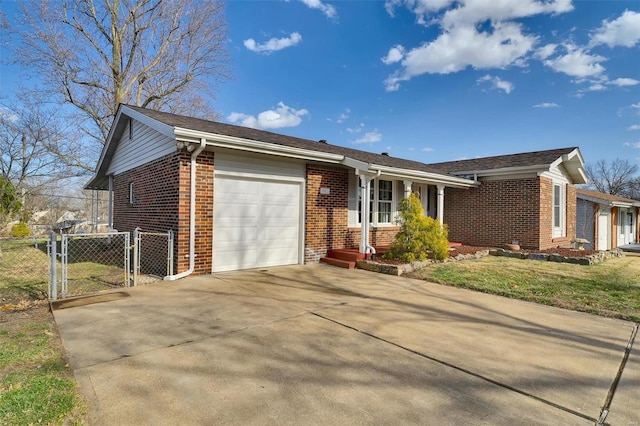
{"points": [[381, 200], [132, 197], [559, 203]]}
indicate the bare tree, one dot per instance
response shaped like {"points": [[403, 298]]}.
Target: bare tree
{"points": [[617, 177], [95, 54], [30, 134]]}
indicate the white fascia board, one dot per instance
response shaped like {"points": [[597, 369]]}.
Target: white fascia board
{"points": [[433, 178], [504, 171], [225, 141], [356, 164], [156, 125]]}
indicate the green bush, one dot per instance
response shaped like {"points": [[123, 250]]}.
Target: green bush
{"points": [[420, 235], [20, 229]]}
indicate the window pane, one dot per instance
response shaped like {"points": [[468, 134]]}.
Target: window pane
{"points": [[385, 191], [556, 206], [384, 212]]}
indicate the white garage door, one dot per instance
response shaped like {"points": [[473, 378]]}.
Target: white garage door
{"points": [[256, 223]]}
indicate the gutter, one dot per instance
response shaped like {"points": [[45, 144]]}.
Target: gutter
{"points": [[192, 214]]}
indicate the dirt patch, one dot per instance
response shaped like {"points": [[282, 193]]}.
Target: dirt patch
{"points": [[88, 300]]}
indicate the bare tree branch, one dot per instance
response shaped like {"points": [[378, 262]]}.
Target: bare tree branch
{"points": [[617, 177], [95, 54]]}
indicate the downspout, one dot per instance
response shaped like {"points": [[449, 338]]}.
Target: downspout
{"points": [[192, 214], [110, 205]]}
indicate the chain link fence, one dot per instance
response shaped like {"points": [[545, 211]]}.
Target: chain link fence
{"points": [[24, 268], [78, 264]]}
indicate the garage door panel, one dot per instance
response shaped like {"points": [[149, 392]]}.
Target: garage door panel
{"points": [[256, 223]]}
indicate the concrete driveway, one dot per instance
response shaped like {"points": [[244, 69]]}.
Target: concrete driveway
{"points": [[321, 345]]}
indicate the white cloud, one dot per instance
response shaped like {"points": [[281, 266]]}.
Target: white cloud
{"points": [[624, 31], [474, 11], [282, 116], [357, 129], [633, 144], [545, 51], [369, 137], [327, 9], [8, 114], [577, 62], [637, 106], [427, 149], [634, 127], [396, 53], [273, 44], [547, 105], [624, 82], [496, 83], [461, 47]]}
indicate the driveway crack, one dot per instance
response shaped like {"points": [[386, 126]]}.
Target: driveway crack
{"points": [[461, 369], [614, 385]]}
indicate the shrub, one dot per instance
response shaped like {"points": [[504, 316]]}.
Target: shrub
{"points": [[419, 235], [20, 229]]}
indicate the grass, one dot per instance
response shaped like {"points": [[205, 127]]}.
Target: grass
{"points": [[611, 288], [36, 385]]}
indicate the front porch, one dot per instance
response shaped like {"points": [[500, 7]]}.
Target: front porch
{"points": [[347, 257]]}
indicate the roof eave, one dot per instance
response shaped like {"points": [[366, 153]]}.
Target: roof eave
{"points": [[435, 178]]}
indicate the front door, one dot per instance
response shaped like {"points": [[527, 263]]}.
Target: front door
{"points": [[604, 232], [625, 227]]}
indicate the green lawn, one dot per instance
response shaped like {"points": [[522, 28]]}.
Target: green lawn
{"points": [[36, 385], [611, 288]]}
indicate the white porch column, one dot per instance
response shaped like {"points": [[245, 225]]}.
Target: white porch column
{"points": [[365, 185], [441, 204], [407, 188]]}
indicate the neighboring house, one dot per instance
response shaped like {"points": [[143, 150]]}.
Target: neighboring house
{"points": [[240, 198], [606, 220]]}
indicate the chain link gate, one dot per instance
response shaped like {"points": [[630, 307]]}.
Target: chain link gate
{"points": [[90, 262], [152, 257], [87, 263]]}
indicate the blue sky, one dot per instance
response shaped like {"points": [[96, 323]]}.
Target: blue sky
{"points": [[435, 80], [438, 80]]}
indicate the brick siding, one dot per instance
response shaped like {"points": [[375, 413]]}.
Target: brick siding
{"points": [[327, 215], [499, 212], [161, 191]]}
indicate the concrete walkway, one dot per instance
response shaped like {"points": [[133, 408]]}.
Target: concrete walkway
{"points": [[322, 345]]}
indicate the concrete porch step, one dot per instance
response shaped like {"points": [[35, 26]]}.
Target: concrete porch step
{"points": [[338, 262]]}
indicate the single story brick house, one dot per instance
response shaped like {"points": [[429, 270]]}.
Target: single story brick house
{"points": [[607, 221], [239, 198]]}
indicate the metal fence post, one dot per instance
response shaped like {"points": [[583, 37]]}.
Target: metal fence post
{"points": [[53, 276], [136, 253], [170, 253]]}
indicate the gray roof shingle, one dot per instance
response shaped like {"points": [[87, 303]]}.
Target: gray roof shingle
{"points": [[503, 161], [274, 138]]}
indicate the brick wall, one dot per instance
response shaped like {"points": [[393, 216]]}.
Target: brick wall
{"points": [[326, 215], [495, 213], [162, 190]]}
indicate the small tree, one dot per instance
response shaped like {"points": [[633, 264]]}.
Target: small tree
{"points": [[419, 235], [20, 230], [9, 201]]}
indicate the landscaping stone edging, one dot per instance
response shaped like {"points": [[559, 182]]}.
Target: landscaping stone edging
{"points": [[390, 269], [591, 259]]}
